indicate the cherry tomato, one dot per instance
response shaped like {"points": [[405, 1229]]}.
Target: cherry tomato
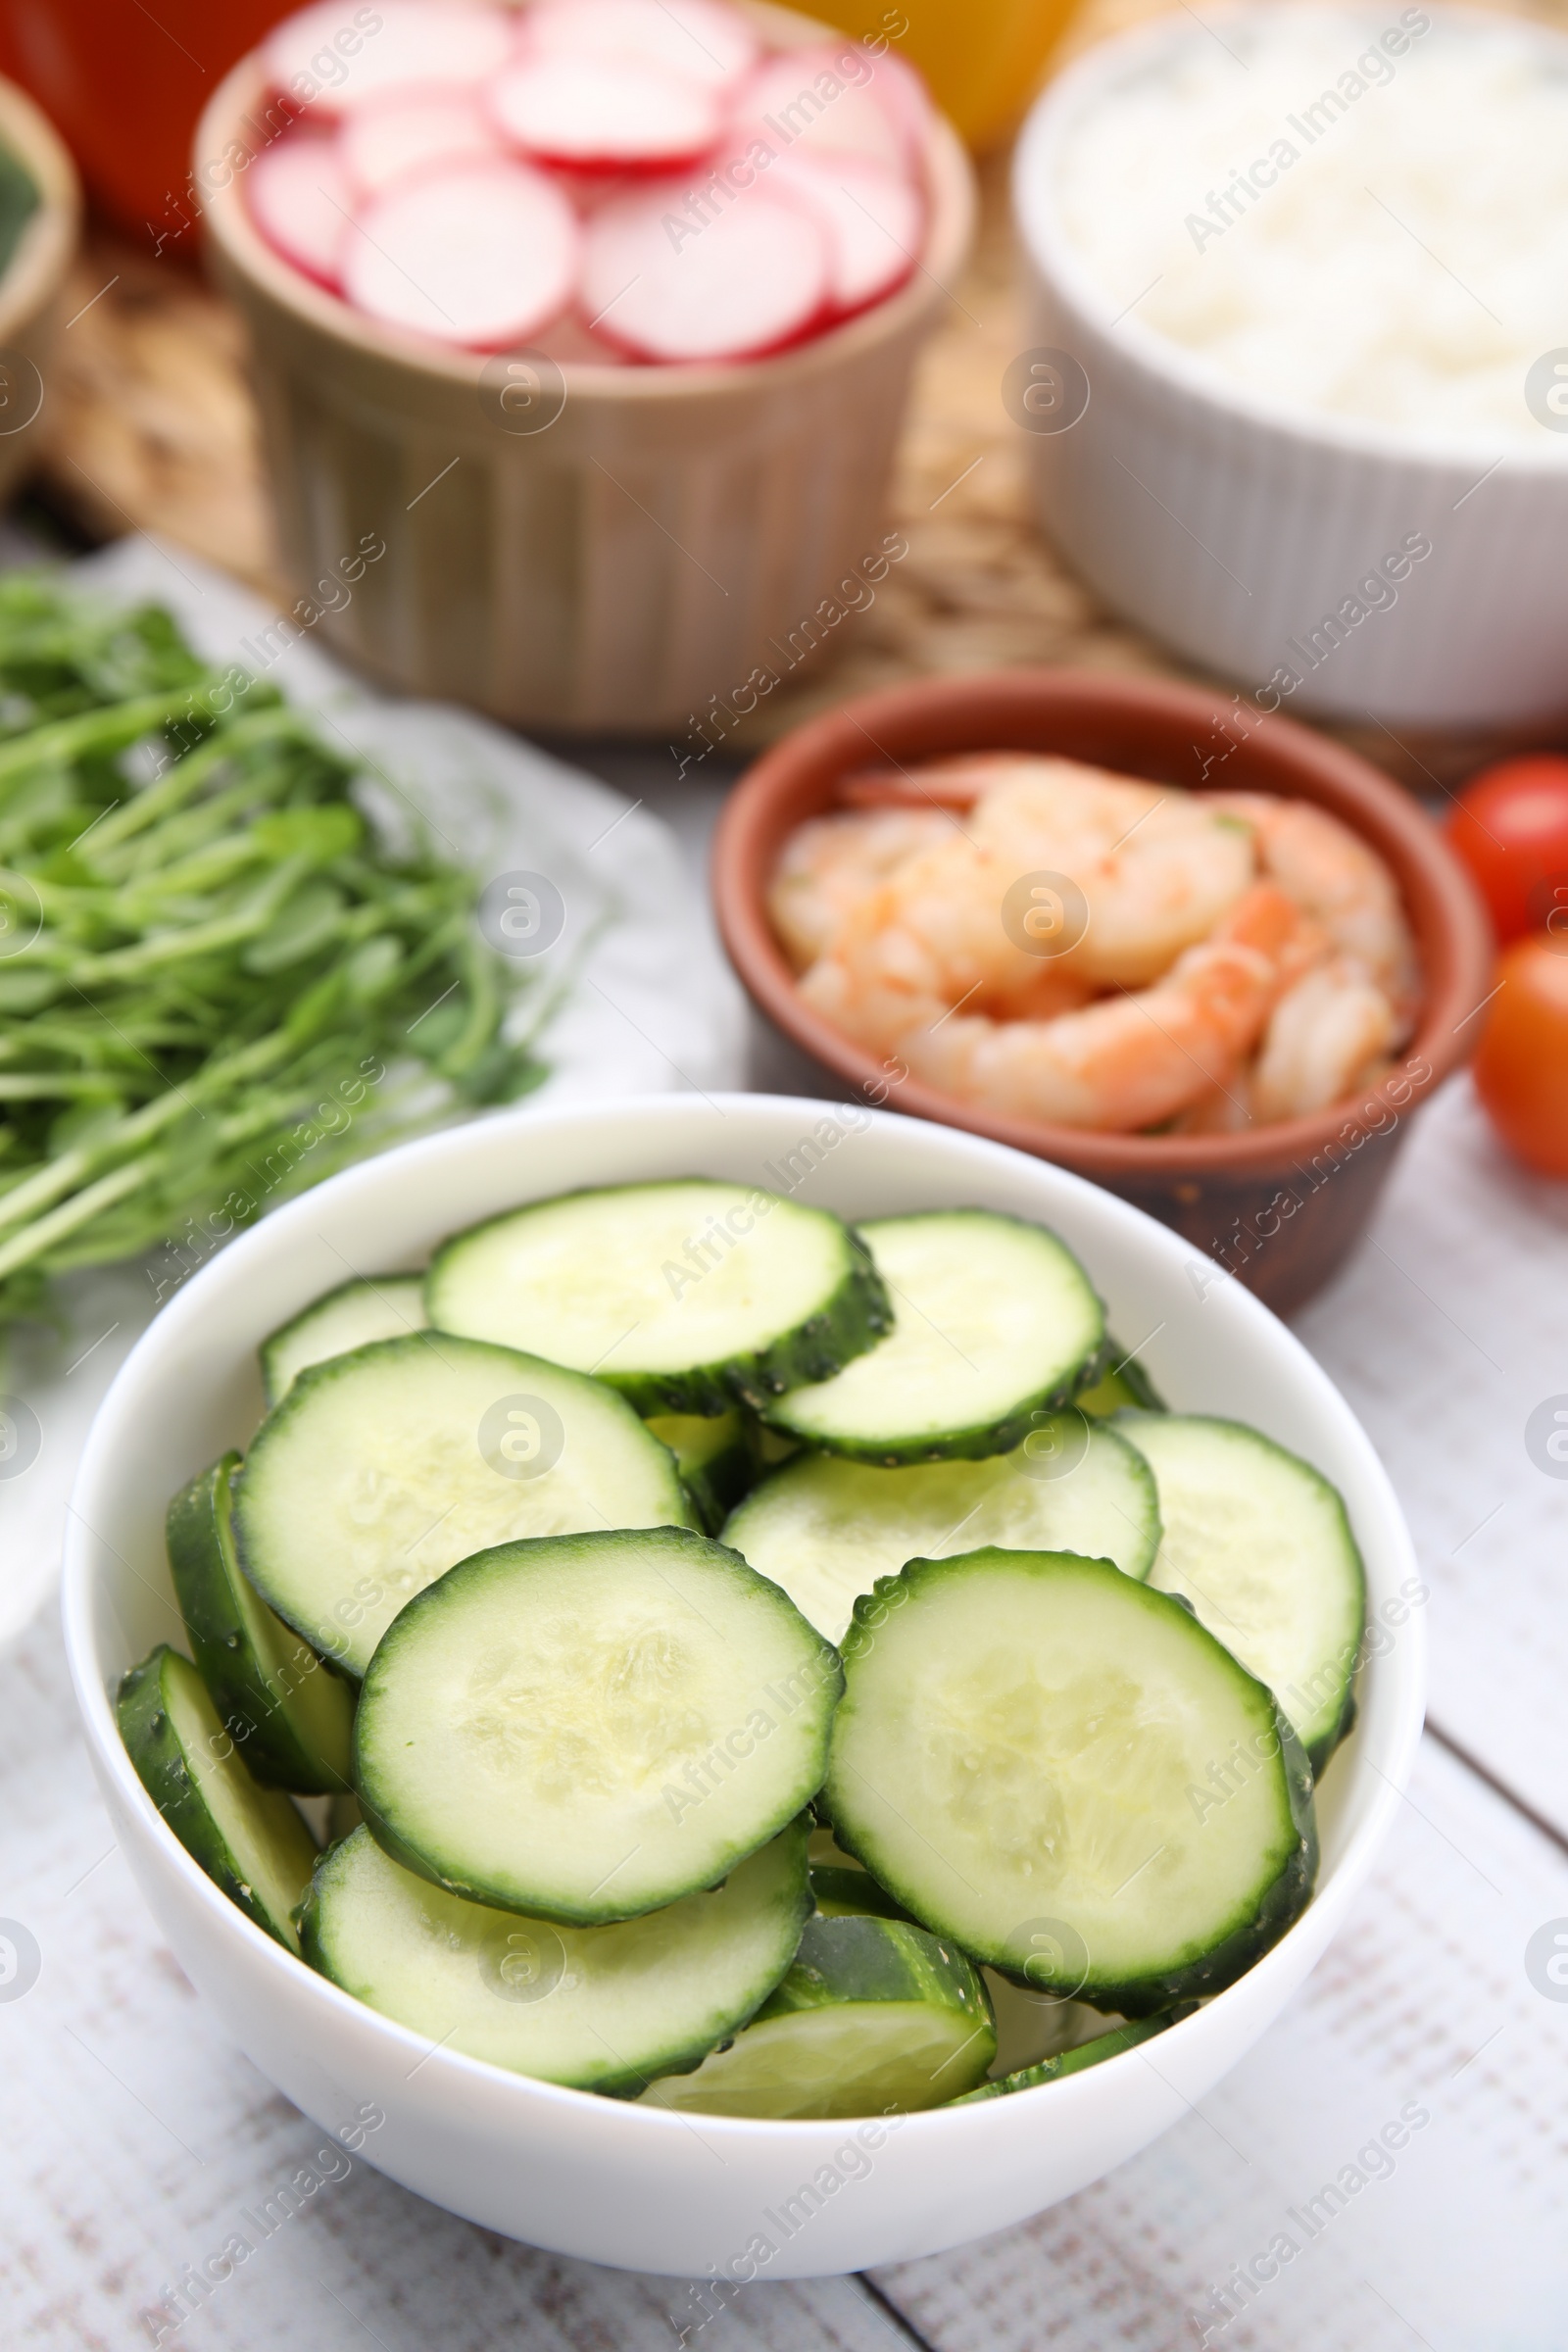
{"points": [[1510, 827], [1521, 1068]]}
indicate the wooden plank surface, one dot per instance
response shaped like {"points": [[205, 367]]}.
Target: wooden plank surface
{"points": [[1445, 1333], [1460, 2243], [136, 2141]]}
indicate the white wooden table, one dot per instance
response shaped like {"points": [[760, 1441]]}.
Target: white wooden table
{"points": [[131, 2136]]}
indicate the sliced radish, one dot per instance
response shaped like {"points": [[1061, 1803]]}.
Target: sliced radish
{"points": [[907, 99], [477, 253], [334, 56], [754, 278], [389, 138], [811, 97], [302, 203], [606, 113], [700, 39], [873, 219]]}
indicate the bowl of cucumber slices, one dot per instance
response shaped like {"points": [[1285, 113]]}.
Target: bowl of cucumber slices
{"points": [[764, 1687]]}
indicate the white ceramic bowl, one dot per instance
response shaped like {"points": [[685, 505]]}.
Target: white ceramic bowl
{"points": [[562, 2169], [1228, 525]]}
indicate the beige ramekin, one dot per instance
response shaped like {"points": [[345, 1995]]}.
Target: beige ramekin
{"points": [[624, 568], [1238, 530], [32, 289]]}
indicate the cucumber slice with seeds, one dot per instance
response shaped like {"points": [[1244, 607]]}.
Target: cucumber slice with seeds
{"points": [[378, 1306], [994, 1321], [874, 2016], [250, 1840], [590, 1728], [1260, 1546], [826, 1529], [292, 1717], [684, 1296], [1121, 2037], [382, 1468], [713, 1455], [1063, 1772], [604, 2009]]}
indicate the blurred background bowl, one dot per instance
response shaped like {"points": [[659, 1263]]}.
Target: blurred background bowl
{"points": [[32, 280], [627, 564], [124, 88], [1279, 1205], [983, 63], [1226, 524]]}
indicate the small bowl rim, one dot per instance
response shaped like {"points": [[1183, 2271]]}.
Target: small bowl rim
{"points": [[745, 834], [1161, 361], [423, 1157], [48, 239], [951, 203]]}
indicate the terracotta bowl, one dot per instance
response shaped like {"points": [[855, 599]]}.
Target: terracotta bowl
{"points": [[1279, 1206]]}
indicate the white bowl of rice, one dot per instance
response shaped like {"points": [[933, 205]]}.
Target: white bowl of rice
{"points": [[1298, 362]]}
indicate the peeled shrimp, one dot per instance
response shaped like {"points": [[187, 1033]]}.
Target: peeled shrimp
{"points": [[1156, 867], [930, 937], [1335, 877], [1130, 1062], [1156, 873], [831, 863], [1325, 1037]]}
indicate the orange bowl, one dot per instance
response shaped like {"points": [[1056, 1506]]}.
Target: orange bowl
{"points": [[1279, 1205]]}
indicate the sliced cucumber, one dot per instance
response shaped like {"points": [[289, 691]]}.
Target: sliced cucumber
{"points": [[826, 1529], [380, 1307], [1122, 1385], [852, 1895], [684, 1296], [250, 1840], [1121, 2037], [1260, 1546], [873, 2016], [591, 1726], [713, 1455], [343, 1813], [381, 1468], [604, 2009], [292, 1716], [1031, 1755], [844, 1887], [1032, 2026], [994, 1322], [769, 1446]]}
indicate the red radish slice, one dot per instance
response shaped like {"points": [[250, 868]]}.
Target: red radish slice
{"points": [[873, 220], [811, 96], [607, 113], [697, 38], [334, 56], [302, 203], [905, 97], [754, 279], [482, 255], [388, 139]]}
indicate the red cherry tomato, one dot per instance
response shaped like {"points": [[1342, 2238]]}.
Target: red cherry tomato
{"points": [[1510, 827], [1521, 1066]]}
